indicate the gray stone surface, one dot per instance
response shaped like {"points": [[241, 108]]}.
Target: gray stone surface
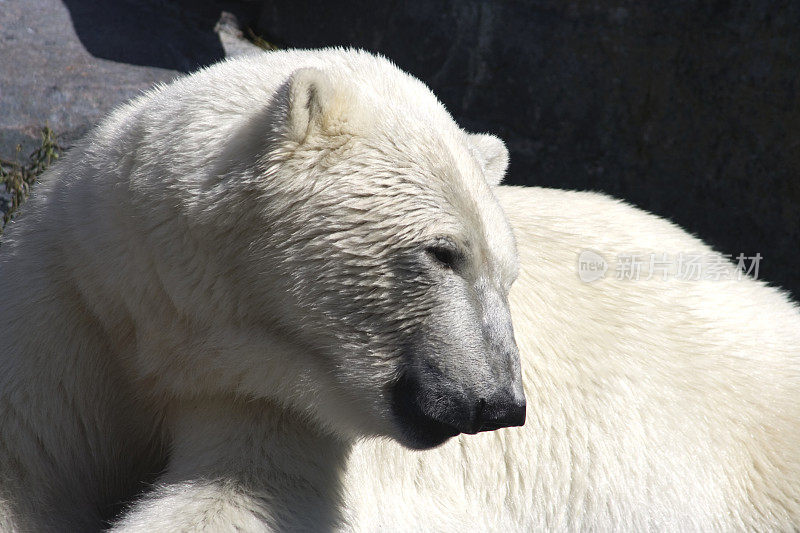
{"points": [[690, 109], [66, 64]]}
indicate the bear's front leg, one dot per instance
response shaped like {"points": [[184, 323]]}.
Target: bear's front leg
{"points": [[244, 466]]}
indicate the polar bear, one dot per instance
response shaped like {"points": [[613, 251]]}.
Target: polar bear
{"points": [[195, 342], [655, 403], [306, 236]]}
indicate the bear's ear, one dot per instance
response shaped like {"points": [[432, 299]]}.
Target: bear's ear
{"points": [[492, 155], [310, 99]]}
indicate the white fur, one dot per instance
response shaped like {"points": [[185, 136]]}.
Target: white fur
{"points": [[154, 291], [251, 235], [652, 405]]}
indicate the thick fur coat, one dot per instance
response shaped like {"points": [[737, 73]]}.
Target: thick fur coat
{"points": [[652, 405], [209, 308]]}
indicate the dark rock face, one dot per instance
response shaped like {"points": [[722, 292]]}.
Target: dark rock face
{"points": [[49, 78], [688, 109], [168, 35], [67, 64]]}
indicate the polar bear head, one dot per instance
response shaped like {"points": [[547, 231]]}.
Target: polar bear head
{"points": [[376, 262]]}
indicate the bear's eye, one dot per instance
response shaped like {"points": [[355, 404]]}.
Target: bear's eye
{"points": [[445, 255]]}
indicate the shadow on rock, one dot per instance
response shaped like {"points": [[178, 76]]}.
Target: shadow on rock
{"points": [[176, 35]]}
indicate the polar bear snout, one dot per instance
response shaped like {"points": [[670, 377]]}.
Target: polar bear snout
{"points": [[431, 408], [505, 410], [461, 372]]}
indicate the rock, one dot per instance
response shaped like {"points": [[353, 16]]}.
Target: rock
{"points": [[66, 64]]}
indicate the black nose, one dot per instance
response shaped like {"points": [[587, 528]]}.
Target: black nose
{"points": [[500, 412], [430, 412]]}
